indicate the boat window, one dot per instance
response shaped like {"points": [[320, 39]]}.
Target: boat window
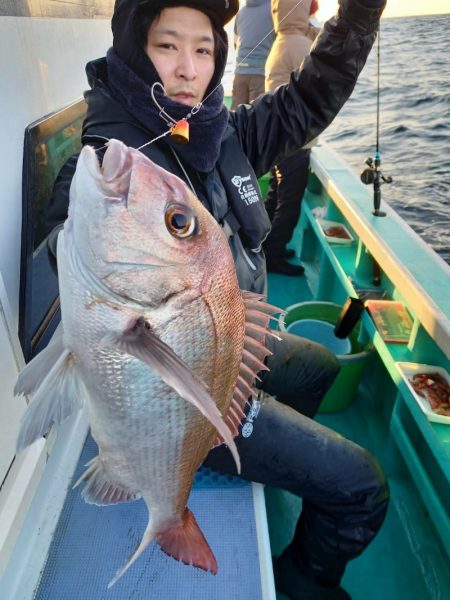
{"points": [[48, 143]]}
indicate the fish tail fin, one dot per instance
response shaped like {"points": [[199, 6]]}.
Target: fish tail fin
{"points": [[147, 538], [188, 544]]}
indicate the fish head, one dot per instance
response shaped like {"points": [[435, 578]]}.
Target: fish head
{"points": [[139, 229]]}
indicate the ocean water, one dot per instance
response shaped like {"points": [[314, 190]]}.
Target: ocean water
{"points": [[414, 122]]}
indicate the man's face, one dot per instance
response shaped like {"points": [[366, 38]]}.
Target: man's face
{"points": [[181, 46]]}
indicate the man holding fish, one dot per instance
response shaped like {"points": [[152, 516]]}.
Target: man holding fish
{"points": [[164, 69]]}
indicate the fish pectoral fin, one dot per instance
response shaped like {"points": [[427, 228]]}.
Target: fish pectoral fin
{"points": [[100, 490], [55, 396], [140, 342], [188, 544]]}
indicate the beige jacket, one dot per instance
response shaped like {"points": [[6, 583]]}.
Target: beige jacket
{"points": [[294, 38]]}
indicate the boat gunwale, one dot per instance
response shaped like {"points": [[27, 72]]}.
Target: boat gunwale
{"points": [[416, 293]]}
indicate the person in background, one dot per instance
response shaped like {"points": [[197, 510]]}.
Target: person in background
{"points": [[313, 20], [253, 38], [171, 55], [289, 177]]}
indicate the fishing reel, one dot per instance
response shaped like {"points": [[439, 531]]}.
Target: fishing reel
{"points": [[372, 175]]}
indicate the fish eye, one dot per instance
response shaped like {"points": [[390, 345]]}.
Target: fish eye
{"points": [[180, 221]]}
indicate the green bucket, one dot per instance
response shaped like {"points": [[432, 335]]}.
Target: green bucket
{"points": [[343, 390]]}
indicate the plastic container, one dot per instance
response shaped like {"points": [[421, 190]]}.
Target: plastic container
{"points": [[408, 370], [335, 232], [315, 320]]}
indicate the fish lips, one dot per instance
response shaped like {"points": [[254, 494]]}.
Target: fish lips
{"points": [[113, 175]]}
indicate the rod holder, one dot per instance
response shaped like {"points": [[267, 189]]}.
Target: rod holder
{"points": [[372, 175]]}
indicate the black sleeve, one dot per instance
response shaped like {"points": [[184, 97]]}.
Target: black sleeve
{"points": [[59, 206], [279, 123], [59, 202]]}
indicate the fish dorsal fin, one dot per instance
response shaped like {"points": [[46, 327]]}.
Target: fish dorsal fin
{"points": [[34, 373], [257, 317], [142, 343], [56, 388], [100, 490]]}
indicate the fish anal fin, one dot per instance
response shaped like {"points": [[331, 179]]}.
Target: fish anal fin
{"points": [[100, 490], [188, 544]]}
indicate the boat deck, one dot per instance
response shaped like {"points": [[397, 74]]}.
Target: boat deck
{"points": [[406, 559], [91, 542]]}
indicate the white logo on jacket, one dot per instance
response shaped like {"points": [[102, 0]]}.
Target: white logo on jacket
{"points": [[246, 189], [247, 427]]}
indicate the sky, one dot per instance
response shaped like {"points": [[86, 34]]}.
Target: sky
{"points": [[394, 8]]}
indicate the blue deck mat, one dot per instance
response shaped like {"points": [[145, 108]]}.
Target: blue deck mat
{"points": [[92, 542]]}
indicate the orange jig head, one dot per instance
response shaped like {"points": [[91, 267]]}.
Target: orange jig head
{"points": [[180, 132]]}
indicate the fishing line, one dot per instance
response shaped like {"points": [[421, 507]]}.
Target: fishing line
{"points": [[377, 143]]}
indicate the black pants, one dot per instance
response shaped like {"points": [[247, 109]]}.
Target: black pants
{"points": [[344, 492], [286, 188]]}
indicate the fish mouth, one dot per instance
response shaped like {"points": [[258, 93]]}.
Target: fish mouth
{"points": [[89, 156], [112, 174], [116, 161]]}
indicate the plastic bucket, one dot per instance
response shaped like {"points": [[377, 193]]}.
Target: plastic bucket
{"points": [[322, 332], [315, 321]]}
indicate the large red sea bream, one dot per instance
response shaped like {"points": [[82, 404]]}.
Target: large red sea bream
{"points": [[156, 338]]}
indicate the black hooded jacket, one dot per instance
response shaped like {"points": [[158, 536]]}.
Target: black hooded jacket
{"points": [[257, 136]]}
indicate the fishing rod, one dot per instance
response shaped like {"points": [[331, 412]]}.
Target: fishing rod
{"points": [[373, 174]]}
